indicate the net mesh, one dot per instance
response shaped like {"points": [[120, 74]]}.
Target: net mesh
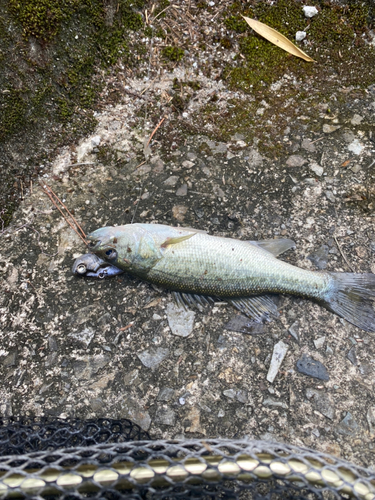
{"points": [[116, 459]]}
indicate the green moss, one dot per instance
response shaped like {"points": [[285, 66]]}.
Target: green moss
{"points": [[236, 23], [173, 53]]}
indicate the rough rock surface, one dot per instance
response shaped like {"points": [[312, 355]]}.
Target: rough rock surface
{"points": [[72, 346]]}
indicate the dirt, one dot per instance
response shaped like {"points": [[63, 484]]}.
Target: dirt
{"points": [[297, 164]]}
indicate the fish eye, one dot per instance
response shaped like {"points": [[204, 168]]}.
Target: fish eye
{"points": [[111, 254], [81, 269], [101, 275]]}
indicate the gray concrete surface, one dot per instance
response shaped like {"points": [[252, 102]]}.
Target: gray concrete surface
{"points": [[72, 346]]}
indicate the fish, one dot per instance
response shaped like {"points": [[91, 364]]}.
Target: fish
{"points": [[200, 268], [92, 266]]}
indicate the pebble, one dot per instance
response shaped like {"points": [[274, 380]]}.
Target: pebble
{"points": [[316, 168], [300, 35], [319, 342], [279, 351], [255, 159], [171, 181], [165, 394], [329, 129], [356, 120], [348, 426], [243, 324], [312, 368], [308, 145], [153, 356], [274, 403], [165, 416], [181, 321], [321, 402], [293, 330], [187, 164], [182, 190], [320, 257], [352, 357], [132, 410], [329, 350], [178, 212], [370, 417], [356, 147], [330, 196], [309, 11], [84, 337], [295, 161]]}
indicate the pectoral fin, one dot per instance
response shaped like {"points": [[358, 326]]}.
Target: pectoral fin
{"points": [[176, 240], [275, 247]]}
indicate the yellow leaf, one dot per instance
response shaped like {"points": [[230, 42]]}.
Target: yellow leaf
{"points": [[277, 38]]}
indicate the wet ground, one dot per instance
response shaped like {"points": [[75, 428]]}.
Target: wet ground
{"points": [[90, 348]]}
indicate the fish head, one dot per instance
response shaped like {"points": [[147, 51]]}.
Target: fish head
{"points": [[130, 247], [90, 265]]}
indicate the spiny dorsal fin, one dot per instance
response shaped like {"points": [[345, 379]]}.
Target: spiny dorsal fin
{"points": [[177, 239], [275, 247]]}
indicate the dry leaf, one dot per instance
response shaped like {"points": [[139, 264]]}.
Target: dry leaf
{"points": [[346, 163], [277, 38]]}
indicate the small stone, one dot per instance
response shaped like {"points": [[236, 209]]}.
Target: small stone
{"points": [[153, 356], [274, 403], [329, 129], [242, 396], [370, 417], [295, 161], [243, 324], [193, 417], [181, 322], [230, 393], [355, 168], [182, 190], [84, 337], [255, 159], [317, 169], [300, 35], [316, 432], [321, 402], [320, 257], [312, 368], [95, 141], [191, 156], [309, 11], [131, 409], [352, 357], [330, 196], [165, 394], [165, 416], [156, 317], [356, 120], [356, 147], [308, 145], [279, 351], [218, 191], [348, 426], [329, 350], [178, 212], [131, 377], [10, 360], [221, 413], [172, 180], [187, 164], [319, 342], [293, 330]]}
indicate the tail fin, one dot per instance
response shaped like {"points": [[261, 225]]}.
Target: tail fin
{"points": [[353, 298]]}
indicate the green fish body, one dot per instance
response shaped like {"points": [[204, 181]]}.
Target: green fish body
{"points": [[195, 264]]}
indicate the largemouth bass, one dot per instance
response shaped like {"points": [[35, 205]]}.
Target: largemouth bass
{"points": [[197, 266]]}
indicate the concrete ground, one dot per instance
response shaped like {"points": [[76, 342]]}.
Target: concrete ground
{"points": [[298, 163]]}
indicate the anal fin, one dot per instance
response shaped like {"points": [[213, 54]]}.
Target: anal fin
{"points": [[261, 308], [192, 300]]}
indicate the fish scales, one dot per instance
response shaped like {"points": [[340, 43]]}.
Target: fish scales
{"points": [[231, 268], [187, 261]]}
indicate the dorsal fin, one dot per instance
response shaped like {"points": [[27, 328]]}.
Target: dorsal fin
{"points": [[275, 247], [177, 239]]}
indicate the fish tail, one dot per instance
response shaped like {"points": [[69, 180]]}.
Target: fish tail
{"points": [[352, 297]]}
